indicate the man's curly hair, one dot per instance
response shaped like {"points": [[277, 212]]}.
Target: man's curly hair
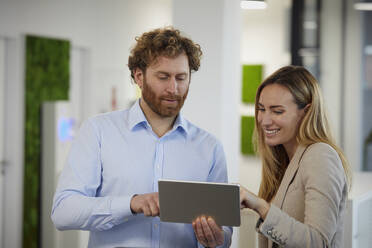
{"points": [[166, 42]]}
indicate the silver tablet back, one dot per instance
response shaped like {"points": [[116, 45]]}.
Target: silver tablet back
{"points": [[183, 201]]}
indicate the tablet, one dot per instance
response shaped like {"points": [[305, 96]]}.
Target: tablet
{"points": [[183, 201]]}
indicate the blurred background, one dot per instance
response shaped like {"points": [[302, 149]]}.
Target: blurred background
{"points": [[64, 61]]}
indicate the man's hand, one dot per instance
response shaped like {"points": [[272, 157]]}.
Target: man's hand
{"points": [[148, 204], [208, 232]]}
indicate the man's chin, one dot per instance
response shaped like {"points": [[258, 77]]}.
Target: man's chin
{"points": [[169, 113]]}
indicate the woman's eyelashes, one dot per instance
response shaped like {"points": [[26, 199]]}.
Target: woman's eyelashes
{"points": [[277, 112]]}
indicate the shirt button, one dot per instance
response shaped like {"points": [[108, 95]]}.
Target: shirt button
{"points": [[156, 225]]}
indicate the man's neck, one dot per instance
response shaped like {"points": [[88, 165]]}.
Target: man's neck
{"points": [[160, 125]]}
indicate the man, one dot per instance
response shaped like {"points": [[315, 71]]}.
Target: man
{"points": [[110, 182]]}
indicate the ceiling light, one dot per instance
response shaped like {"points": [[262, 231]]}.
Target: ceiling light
{"points": [[253, 4], [363, 6]]}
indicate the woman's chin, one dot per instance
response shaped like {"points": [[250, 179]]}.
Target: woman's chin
{"points": [[271, 142]]}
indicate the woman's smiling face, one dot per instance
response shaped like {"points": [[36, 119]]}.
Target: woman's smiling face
{"points": [[279, 117]]}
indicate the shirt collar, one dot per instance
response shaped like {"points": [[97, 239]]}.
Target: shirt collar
{"points": [[181, 124], [137, 118]]}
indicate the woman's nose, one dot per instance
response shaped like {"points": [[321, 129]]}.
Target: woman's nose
{"points": [[266, 119]]}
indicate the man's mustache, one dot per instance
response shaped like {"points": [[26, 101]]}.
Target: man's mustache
{"points": [[172, 97]]}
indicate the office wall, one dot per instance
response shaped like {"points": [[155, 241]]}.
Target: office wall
{"points": [[341, 49], [106, 30], [331, 61], [351, 109], [266, 36]]}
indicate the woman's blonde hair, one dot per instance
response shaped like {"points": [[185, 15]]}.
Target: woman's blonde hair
{"points": [[313, 128]]}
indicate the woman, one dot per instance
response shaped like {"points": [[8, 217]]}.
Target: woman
{"points": [[305, 176]]}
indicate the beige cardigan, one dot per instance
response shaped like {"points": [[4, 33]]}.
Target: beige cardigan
{"points": [[308, 209]]}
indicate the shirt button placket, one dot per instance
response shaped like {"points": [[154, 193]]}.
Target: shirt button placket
{"points": [[155, 233], [157, 176], [158, 164]]}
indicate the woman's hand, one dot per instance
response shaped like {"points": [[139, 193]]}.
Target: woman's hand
{"points": [[251, 201]]}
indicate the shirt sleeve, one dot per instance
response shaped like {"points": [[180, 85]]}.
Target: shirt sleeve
{"points": [[325, 187], [75, 204]]}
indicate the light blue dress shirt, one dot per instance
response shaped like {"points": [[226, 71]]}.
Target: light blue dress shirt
{"points": [[116, 155]]}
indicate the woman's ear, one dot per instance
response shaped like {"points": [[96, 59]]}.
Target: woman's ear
{"points": [[304, 110], [138, 77]]}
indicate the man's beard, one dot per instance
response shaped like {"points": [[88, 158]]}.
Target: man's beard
{"points": [[155, 102]]}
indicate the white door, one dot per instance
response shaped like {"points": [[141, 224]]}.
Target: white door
{"points": [[2, 160]]}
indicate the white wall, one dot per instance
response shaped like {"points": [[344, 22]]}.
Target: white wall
{"points": [[266, 36], [341, 75], [331, 62], [106, 29], [14, 140], [352, 107]]}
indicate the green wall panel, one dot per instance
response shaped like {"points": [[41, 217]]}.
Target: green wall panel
{"points": [[251, 79], [47, 79], [247, 127]]}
